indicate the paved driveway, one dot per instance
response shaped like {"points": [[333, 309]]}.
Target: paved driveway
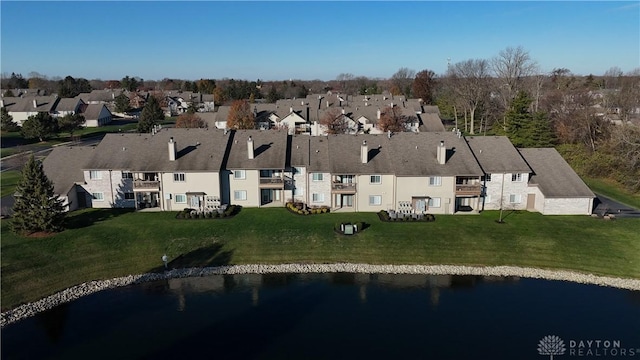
{"points": [[605, 205]]}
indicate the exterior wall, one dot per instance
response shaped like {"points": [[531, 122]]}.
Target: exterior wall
{"points": [[408, 187], [249, 184], [493, 188], [206, 182], [300, 183], [20, 117], [539, 201], [103, 185], [319, 187], [567, 206], [365, 189]]}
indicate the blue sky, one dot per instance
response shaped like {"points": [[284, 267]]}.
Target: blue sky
{"points": [[308, 40]]}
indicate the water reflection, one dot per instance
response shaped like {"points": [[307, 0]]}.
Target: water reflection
{"points": [[223, 284]]}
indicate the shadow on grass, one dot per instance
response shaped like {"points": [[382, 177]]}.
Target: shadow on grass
{"points": [[88, 218], [204, 257]]}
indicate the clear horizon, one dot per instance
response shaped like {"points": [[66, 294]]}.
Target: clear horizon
{"points": [[308, 40]]}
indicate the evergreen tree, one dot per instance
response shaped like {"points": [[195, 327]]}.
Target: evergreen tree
{"points": [[122, 103], [70, 123], [41, 126], [7, 121], [526, 129], [151, 115], [36, 206]]}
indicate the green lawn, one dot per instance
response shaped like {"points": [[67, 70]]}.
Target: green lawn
{"points": [[109, 243], [614, 191], [9, 180]]}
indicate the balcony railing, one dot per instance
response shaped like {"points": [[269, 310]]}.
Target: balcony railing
{"points": [[469, 189], [343, 187], [145, 184], [268, 182]]}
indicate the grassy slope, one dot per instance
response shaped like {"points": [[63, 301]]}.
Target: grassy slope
{"points": [[107, 244], [9, 181], [613, 190]]}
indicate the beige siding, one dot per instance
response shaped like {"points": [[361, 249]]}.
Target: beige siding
{"points": [[366, 189], [206, 182], [319, 187], [567, 206], [248, 184], [408, 187], [494, 189]]}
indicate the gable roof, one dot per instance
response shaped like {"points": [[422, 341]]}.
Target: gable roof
{"points": [[92, 111], [197, 150], [496, 154], [415, 154], [344, 154], [431, 122], [553, 175], [68, 104], [64, 165], [43, 104], [270, 149]]}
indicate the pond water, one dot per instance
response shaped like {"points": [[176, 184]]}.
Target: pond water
{"points": [[334, 316]]}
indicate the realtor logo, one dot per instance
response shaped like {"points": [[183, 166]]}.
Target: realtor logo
{"points": [[551, 345]]}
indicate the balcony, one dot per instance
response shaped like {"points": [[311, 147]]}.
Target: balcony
{"points": [[343, 188], [146, 185], [469, 189], [271, 183]]}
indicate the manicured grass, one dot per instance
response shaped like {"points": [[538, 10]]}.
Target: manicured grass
{"points": [[108, 243], [9, 181], [613, 190]]}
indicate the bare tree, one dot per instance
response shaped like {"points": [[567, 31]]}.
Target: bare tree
{"points": [[402, 80], [611, 77], [512, 66], [470, 81], [335, 121], [391, 119], [347, 83]]}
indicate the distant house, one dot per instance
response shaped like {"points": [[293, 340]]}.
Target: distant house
{"points": [[21, 108], [95, 115], [68, 106]]}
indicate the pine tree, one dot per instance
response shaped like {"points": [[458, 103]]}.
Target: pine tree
{"points": [[151, 115], [7, 121], [36, 206]]}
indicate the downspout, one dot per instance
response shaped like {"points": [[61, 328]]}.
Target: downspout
{"points": [[113, 202]]}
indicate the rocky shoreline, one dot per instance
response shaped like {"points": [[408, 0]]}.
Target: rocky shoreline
{"points": [[84, 289]]}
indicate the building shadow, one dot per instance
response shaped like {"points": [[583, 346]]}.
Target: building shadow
{"points": [[88, 218], [203, 257]]}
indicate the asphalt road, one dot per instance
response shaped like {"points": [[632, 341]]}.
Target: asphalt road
{"points": [[605, 205]]}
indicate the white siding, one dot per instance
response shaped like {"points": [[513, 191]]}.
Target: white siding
{"points": [[494, 189], [319, 187]]}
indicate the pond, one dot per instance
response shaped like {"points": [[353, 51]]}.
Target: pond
{"points": [[335, 316]]}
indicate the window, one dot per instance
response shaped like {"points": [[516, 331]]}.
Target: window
{"points": [[317, 176], [375, 200], [181, 199], [376, 179], [240, 195], [435, 181], [239, 174], [179, 177], [486, 178], [317, 198], [434, 202], [514, 198], [129, 196], [516, 177], [98, 196], [95, 174], [127, 175]]}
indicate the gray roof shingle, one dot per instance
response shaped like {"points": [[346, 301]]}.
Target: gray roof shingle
{"points": [[270, 149], [344, 154], [553, 175], [414, 154], [64, 165], [198, 150], [496, 154]]}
